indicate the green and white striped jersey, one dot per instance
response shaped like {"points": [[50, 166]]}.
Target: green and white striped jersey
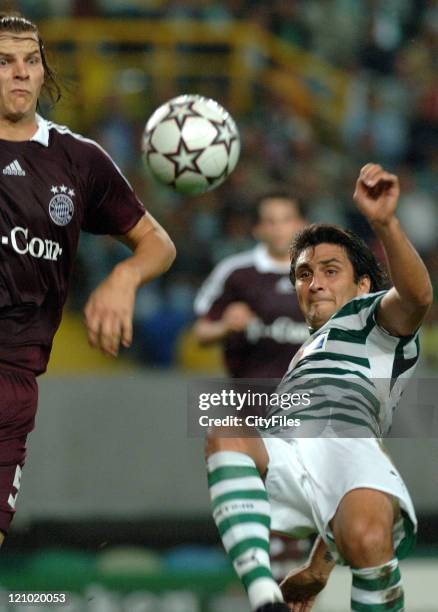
{"points": [[353, 370]]}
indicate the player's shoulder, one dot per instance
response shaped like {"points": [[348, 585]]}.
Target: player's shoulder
{"points": [[360, 304], [87, 154], [234, 263], [227, 271], [63, 136]]}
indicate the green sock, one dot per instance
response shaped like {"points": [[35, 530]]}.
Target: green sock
{"points": [[377, 589]]}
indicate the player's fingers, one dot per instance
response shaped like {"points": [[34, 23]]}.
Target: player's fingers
{"points": [[309, 605], [375, 175], [126, 331], [92, 324], [381, 178], [116, 335], [367, 169], [109, 338]]}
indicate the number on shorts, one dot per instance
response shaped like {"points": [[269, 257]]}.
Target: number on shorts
{"points": [[16, 484]]}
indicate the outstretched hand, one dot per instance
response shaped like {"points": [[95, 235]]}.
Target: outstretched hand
{"points": [[300, 588], [109, 313], [376, 194]]}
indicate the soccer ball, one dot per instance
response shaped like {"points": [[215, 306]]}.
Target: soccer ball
{"points": [[191, 144]]}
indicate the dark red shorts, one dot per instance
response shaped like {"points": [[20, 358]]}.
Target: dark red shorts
{"points": [[18, 404]]}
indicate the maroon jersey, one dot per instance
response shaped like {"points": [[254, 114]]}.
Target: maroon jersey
{"points": [[266, 347], [51, 187]]}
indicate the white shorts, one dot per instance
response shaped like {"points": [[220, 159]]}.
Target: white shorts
{"points": [[308, 477]]}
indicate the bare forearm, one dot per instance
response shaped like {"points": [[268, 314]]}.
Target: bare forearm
{"points": [[209, 332], [408, 273], [152, 255], [321, 561]]}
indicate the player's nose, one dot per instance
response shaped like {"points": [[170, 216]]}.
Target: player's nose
{"points": [[21, 69], [317, 283]]}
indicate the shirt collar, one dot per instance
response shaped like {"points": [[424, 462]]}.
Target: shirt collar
{"points": [[42, 133], [265, 263]]}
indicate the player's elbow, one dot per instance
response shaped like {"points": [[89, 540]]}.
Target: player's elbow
{"points": [[167, 248], [170, 252], [426, 297], [420, 299]]}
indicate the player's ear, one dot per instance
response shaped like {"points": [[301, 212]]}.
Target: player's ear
{"points": [[363, 285]]}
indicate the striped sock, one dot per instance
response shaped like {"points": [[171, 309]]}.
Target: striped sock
{"points": [[377, 589], [241, 512]]}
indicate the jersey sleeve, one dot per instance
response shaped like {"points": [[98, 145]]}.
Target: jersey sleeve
{"points": [[215, 294], [112, 206], [381, 329]]}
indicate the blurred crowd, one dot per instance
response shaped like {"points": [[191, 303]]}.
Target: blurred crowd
{"points": [[389, 51]]}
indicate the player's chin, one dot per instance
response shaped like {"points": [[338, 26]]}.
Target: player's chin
{"points": [[320, 313], [281, 249], [17, 113]]}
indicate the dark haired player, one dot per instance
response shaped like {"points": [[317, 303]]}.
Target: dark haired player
{"points": [[53, 184], [259, 335], [362, 350]]}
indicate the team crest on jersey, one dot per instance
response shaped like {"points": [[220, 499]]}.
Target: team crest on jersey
{"points": [[314, 346], [61, 207]]}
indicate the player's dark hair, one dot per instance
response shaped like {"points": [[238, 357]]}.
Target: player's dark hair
{"points": [[274, 195], [360, 255], [15, 22]]}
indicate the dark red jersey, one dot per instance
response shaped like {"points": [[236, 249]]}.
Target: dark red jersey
{"points": [[265, 349], [51, 187]]}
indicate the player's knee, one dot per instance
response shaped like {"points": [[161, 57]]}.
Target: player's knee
{"points": [[212, 445], [215, 443], [366, 542], [252, 447]]}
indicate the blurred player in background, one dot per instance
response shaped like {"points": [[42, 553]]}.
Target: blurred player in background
{"points": [[259, 335], [363, 349], [54, 183]]}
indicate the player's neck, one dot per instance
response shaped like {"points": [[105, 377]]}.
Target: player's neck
{"points": [[279, 258], [17, 131]]}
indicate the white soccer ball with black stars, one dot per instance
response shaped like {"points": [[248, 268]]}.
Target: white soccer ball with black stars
{"points": [[191, 144]]}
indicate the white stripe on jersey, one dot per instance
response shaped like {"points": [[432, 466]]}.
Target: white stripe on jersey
{"points": [[63, 129], [214, 284]]}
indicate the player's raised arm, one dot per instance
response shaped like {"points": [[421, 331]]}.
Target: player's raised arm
{"points": [[109, 310], [403, 308]]}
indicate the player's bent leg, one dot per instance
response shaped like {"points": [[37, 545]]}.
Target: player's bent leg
{"points": [[241, 512], [18, 405], [252, 446], [362, 527]]}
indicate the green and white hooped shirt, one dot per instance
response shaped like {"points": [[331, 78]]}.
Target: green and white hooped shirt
{"points": [[353, 370]]}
